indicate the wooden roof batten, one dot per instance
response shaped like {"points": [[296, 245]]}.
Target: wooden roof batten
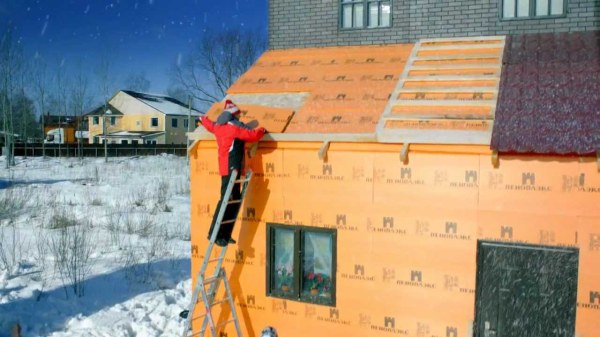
{"points": [[448, 99]]}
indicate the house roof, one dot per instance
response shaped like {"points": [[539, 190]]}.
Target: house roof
{"points": [[438, 91], [100, 111], [62, 120], [165, 104], [549, 99], [331, 90]]}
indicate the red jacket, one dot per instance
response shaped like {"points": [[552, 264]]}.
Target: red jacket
{"points": [[231, 136]]}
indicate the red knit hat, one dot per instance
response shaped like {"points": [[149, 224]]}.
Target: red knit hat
{"points": [[231, 107]]}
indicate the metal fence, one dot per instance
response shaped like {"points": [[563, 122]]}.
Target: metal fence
{"points": [[97, 150]]}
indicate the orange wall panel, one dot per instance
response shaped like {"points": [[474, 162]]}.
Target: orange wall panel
{"points": [[406, 234]]}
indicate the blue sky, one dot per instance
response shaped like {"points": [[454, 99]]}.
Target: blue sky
{"points": [[141, 36]]}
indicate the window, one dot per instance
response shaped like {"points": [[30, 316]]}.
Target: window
{"points": [[96, 120], [134, 141], [523, 9], [370, 13], [154, 122], [174, 122], [186, 122], [301, 263], [123, 141], [113, 120]]}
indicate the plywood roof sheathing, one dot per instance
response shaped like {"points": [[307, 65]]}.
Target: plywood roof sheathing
{"points": [[449, 99]]}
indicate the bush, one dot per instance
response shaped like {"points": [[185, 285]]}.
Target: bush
{"points": [[72, 247]]}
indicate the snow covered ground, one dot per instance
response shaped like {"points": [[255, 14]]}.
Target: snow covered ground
{"points": [[90, 248]]}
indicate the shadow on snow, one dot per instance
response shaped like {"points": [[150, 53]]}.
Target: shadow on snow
{"points": [[54, 309], [6, 183]]}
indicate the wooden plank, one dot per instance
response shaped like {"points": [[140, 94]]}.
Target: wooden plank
{"points": [[445, 102], [394, 124], [449, 89], [440, 78], [491, 83], [449, 116], [459, 57], [461, 39], [458, 66], [454, 137], [390, 103], [272, 119], [462, 46], [455, 72]]}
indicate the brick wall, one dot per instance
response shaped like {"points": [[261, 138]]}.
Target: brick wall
{"points": [[314, 23]]}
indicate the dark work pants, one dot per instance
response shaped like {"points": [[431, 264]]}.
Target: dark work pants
{"points": [[231, 212]]}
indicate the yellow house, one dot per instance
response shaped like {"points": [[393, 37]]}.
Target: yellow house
{"points": [[139, 118]]}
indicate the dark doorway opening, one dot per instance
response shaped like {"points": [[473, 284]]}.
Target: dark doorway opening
{"points": [[525, 290]]}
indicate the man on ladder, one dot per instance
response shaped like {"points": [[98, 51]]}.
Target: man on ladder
{"points": [[231, 135]]}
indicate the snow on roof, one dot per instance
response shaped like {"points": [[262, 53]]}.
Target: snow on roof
{"points": [[165, 104]]}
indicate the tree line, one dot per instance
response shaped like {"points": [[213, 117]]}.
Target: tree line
{"points": [[31, 86]]}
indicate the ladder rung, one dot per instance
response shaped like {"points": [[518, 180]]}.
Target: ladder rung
{"points": [[211, 279], [228, 221], [224, 323], [214, 260], [225, 300], [239, 201], [242, 180], [197, 317]]}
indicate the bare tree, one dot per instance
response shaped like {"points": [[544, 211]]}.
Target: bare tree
{"points": [[61, 87], [80, 100], [219, 59], [10, 69], [137, 82], [106, 80], [178, 93], [40, 88]]}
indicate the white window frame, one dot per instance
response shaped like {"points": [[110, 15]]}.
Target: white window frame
{"points": [[363, 20], [532, 9]]}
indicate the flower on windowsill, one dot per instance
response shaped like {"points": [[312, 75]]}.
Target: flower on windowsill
{"points": [[318, 281], [284, 276]]}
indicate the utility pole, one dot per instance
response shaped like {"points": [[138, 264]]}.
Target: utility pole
{"points": [[189, 128], [106, 112]]}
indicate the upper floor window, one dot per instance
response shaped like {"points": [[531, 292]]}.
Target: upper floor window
{"points": [[154, 122], [301, 263], [113, 120], [522, 9], [95, 120], [186, 122], [174, 122], [369, 13]]}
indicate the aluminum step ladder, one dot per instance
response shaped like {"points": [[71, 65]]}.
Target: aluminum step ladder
{"points": [[218, 275]]}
